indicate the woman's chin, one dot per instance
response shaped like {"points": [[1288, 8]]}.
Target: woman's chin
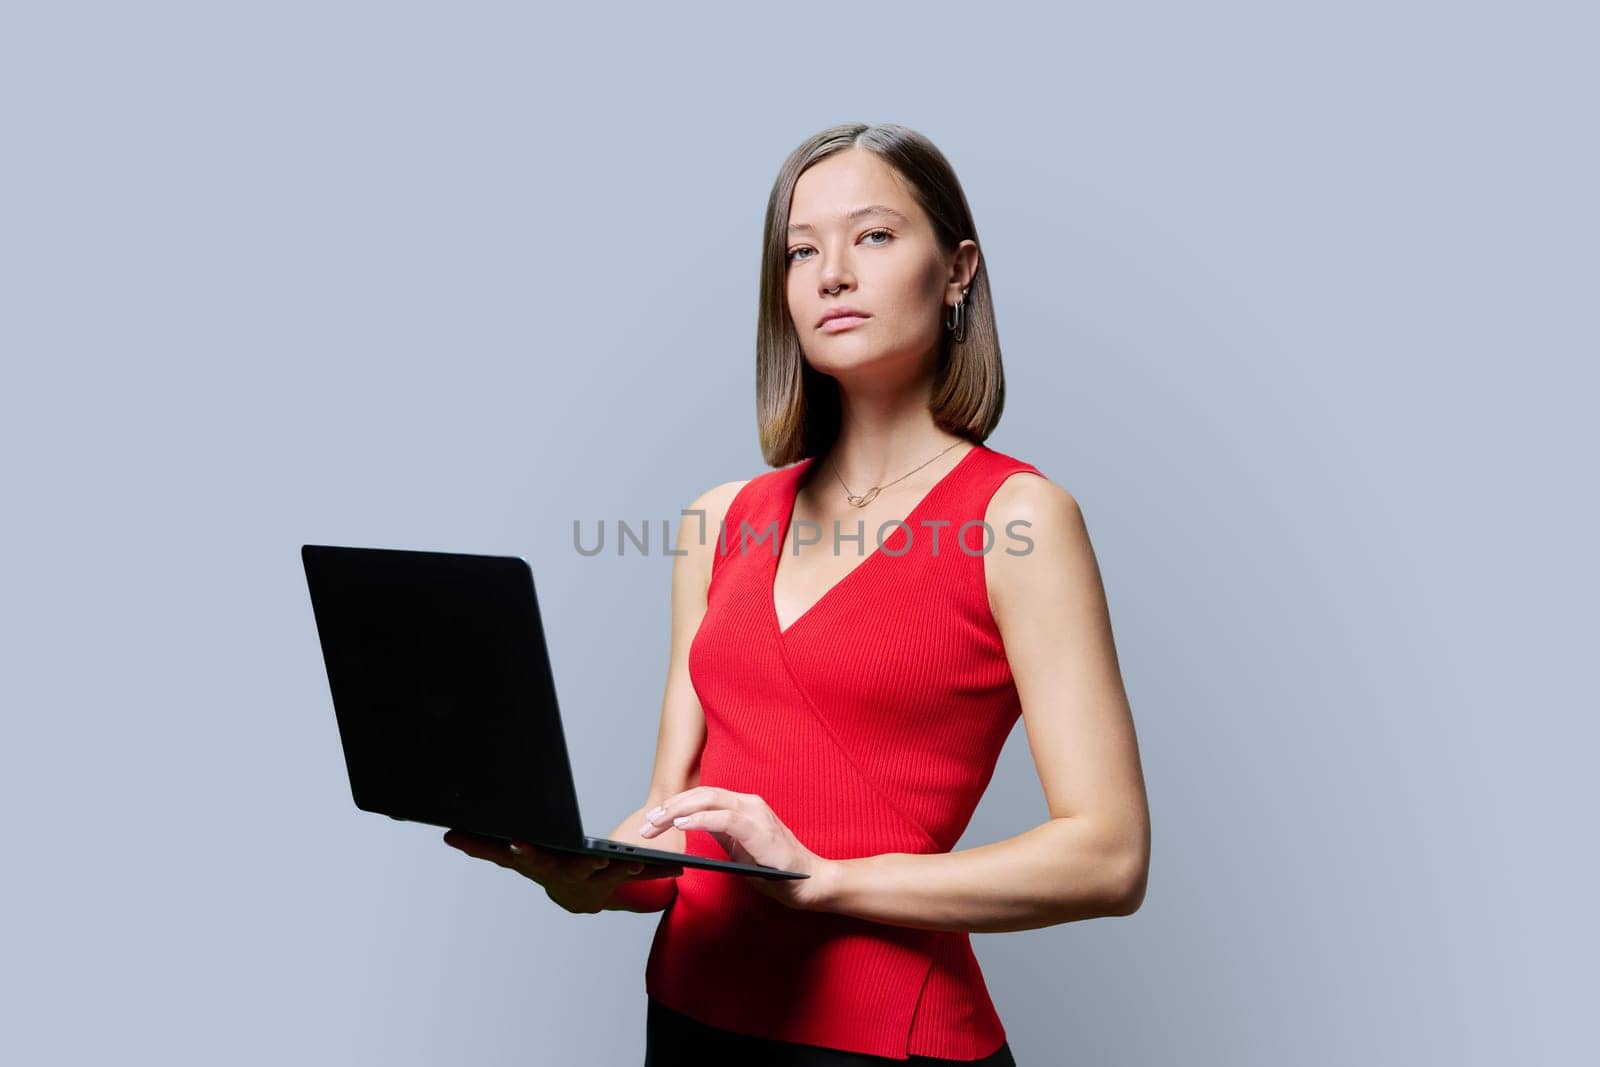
{"points": [[861, 363]]}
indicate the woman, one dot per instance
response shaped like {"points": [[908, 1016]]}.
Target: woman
{"points": [[839, 712]]}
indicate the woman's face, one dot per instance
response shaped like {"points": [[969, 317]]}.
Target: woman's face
{"points": [[858, 240]]}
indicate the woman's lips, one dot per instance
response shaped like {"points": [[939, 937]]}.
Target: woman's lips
{"points": [[842, 322]]}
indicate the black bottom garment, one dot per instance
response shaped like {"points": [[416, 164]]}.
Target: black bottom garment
{"points": [[673, 1039]]}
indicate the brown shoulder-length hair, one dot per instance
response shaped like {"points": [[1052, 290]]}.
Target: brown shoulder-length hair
{"points": [[797, 408]]}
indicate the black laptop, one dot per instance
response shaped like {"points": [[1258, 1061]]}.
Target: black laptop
{"points": [[445, 699]]}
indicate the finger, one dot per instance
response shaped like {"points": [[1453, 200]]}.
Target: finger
{"points": [[479, 847], [645, 869], [614, 870], [716, 796], [551, 863], [717, 820], [533, 854], [696, 799], [733, 831], [584, 868], [653, 870], [621, 870], [553, 866], [531, 860], [701, 798], [467, 841]]}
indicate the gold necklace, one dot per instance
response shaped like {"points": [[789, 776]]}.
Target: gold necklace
{"points": [[862, 500]]}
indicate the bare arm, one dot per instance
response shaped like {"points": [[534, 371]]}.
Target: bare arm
{"points": [[683, 724], [1091, 857]]}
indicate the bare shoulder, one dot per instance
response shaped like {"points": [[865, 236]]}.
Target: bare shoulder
{"points": [[714, 503], [1032, 503], [715, 500], [1039, 540], [1028, 495], [701, 519]]}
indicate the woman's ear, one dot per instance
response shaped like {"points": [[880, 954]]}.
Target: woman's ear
{"points": [[964, 265]]}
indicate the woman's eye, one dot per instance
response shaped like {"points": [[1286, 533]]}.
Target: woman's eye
{"points": [[794, 252]]}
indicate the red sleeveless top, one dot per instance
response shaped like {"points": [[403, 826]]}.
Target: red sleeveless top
{"points": [[872, 724]]}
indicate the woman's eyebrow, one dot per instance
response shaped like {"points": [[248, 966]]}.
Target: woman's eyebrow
{"points": [[870, 209]]}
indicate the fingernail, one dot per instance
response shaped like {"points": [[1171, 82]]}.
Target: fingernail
{"points": [[516, 848], [647, 827], [655, 813], [680, 820]]}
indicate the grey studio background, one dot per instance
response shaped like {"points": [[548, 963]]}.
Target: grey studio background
{"points": [[1298, 302]]}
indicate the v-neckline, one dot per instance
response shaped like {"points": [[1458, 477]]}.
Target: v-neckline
{"points": [[788, 520]]}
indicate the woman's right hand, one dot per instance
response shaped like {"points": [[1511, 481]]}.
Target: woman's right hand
{"points": [[578, 883]]}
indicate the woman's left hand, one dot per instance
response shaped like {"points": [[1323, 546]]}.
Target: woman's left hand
{"points": [[749, 832]]}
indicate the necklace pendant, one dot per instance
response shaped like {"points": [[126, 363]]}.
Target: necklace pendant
{"points": [[864, 499]]}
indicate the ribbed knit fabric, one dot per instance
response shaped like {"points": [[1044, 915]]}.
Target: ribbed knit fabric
{"points": [[871, 725]]}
